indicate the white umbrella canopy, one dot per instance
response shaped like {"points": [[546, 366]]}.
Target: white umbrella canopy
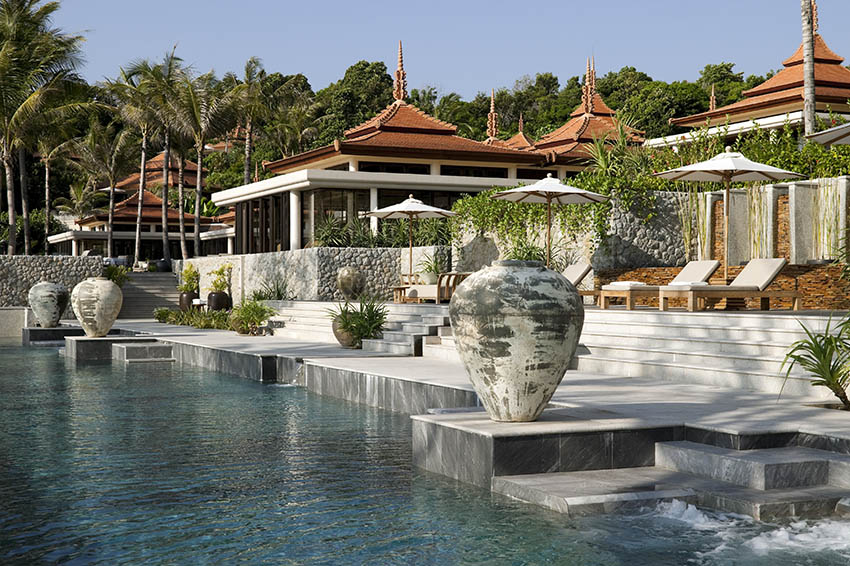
{"points": [[724, 168], [549, 190], [839, 135], [410, 208]]}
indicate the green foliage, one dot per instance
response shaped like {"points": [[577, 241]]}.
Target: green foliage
{"points": [[274, 290], [364, 322], [825, 356], [197, 318], [37, 235], [432, 264], [332, 232], [248, 316], [191, 279], [82, 201], [221, 278], [118, 274]]}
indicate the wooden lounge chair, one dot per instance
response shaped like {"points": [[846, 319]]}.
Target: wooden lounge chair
{"points": [[414, 291], [751, 283], [575, 274], [693, 272]]}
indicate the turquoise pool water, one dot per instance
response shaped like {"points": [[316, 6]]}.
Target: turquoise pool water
{"points": [[99, 465]]}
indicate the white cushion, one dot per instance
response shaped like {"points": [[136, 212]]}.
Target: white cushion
{"points": [[689, 283], [627, 284], [697, 271], [641, 287]]}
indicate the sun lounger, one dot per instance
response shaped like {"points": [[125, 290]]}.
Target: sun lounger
{"points": [[694, 273], [417, 292], [751, 283], [575, 274]]}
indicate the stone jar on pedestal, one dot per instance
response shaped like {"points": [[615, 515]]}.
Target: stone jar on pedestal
{"points": [[350, 282], [48, 301], [96, 302], [516, 325]]}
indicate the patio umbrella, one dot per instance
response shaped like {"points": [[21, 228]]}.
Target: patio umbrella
{"points": [[727, 167], [550, 190], [410, 209]]}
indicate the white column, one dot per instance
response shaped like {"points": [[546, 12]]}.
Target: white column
{"points": [[230, 246], [373, 205], [352, 165], [435, 168], [74, 251], [294, 220], [512, 172]]}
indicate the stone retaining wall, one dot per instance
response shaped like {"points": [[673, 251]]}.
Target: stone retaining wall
{"points": [[19, 273]]}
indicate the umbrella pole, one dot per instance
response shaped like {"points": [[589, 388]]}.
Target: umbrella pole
{"points": [[548, 230], [410, 240], [726, 231]]}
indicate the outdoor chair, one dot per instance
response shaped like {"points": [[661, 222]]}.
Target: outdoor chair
{"points": [[575, 274], [695, 272], [412, 290], [751, 283]]}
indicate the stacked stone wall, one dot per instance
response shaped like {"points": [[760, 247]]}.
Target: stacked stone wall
{"points": [[782, 227], [19, 273]]}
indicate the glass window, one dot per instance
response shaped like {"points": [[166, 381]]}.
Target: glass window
{"points": [[381, 167], [473, 171]]}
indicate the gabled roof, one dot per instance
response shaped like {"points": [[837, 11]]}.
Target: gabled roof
{"points": [[400, 117], [520, 141], [153, 173], [126, 212]]}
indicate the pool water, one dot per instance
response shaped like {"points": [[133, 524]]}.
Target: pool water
{"points": [[153, 465]]}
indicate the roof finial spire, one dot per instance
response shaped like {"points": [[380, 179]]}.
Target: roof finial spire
{"points": [[492, 117], [814, 16], [520, 122], [712, 101], [400, 82], [589, 87]]}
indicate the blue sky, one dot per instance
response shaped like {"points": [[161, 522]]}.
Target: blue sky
{"points": [[461, 46]]}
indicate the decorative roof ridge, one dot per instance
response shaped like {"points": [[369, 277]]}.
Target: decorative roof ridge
{"points": [[492, 118], [389, 112], [400, 81]]}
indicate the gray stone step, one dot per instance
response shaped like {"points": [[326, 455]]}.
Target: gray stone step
{"points": [[386, 346], [765, 349], [150, 361], [420, 329], [137, 352], [445, 331], [764, 469], [671, 330], [771, 320], [713, 358]]}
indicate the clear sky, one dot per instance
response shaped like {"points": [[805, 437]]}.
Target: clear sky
{"points": [[465, 46]]}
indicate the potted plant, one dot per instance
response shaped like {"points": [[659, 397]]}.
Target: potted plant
{"points": [[218, 298], [189, 287], [353, 325], [249, 316], [430, 268], [826, 358]]}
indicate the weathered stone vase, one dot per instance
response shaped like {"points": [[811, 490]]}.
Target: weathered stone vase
{"points": [[48, 301], [516, 325], [350, 281], [96, 302]]}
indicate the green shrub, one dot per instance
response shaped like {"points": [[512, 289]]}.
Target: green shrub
{"points": [[366, 321], [826, 358], [275, 290], [432, 264], [118, 274], [221, 278], [248, 316], [218, 320], [162, 314], [191, 279]]}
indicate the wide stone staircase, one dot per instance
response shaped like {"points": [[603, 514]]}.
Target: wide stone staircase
{"points": [[143, 292], [743, 350]]}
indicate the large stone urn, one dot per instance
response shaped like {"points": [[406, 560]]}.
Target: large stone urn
{"points": [[48, 301], [96, 302], [350, 281], [516, 325]]}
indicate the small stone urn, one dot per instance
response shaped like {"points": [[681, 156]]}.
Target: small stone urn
{"points": [[516, 325], [351, 282], [96, 302], [48, 301]]}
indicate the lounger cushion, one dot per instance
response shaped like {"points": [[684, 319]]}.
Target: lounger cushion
{"points": [[626, 284], [641, 287], [576, 273], [697, 271], [713, 288], [759, 273], [422, 292], [675, 283]]}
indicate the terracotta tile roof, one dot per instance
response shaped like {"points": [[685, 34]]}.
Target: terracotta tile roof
{"points": [[520, 141], [153, 178], [228, 217], [584, 128], [402, 116], [597, 107], [823, 54], [158, 160], [126, 210], [429, 142]]}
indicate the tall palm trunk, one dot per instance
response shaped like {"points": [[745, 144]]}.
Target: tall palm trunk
{"points": [[808, 67], [199, 187], [47, 203], [25, 200], [166, 252], [181, 197], [10, 201], [138, 249], [249, 135], [109, 219]]}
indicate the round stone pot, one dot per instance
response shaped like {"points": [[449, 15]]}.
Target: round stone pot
{"points": [[218, 301], [186, 298], [428, 278], [163, 265], [350, 282], [96, 302], [48, 301], [516, 325], [345, 339]]}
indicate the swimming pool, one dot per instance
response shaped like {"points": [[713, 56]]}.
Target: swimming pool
{"points": [[102, 465]]}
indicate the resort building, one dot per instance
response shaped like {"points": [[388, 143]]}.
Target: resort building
{"points": [[399, 152], [778, 100]]}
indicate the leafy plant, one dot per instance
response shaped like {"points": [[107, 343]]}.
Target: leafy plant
{"points": [[330, 232], [275, 290], [364, 322], [118, 274], [191, 279], [826, 357], [218, 320], [221, 278], [248, 316], [162, 314], [432, 264]]}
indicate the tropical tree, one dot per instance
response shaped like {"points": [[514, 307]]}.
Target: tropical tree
{"points": [[82, 201], [52, 145], [36, 67], [203, 109], [105, 155], [253, 106], [808, 25]]}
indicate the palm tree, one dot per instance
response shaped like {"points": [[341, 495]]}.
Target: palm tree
{"points": [[253, 106], [36, 66], [105, 155], [82, 201], [182, 145], [52, 145], [808, 66], [203, 110]]}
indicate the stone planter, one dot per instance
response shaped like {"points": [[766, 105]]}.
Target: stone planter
{"points": [[96, 302], [345, 339], [428, 278], [218, 301], [350, 282], [48, 301], [163, 265], [186, 299], [516, 325]]}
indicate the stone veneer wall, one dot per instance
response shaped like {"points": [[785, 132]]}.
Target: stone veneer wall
{"points": [[782, 227], [311, 273], [19, 273], [718, 236]]}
